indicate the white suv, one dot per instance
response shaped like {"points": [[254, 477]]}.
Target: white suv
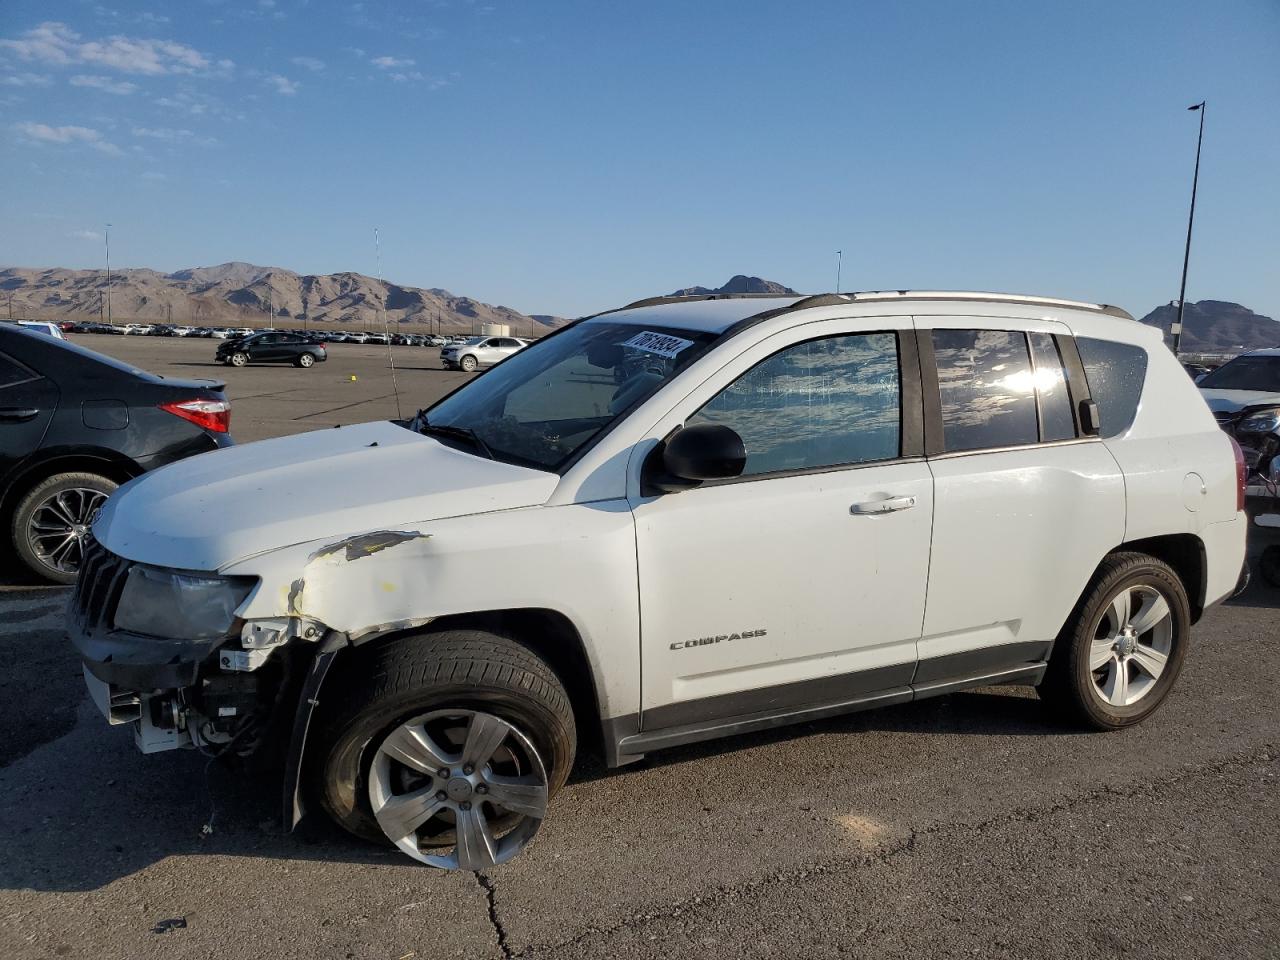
{"points": [[684, 519], [477, 352]]}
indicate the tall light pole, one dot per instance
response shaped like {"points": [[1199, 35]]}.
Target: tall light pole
{"points": [[107, 240], [839, 263], [1186, 256]]}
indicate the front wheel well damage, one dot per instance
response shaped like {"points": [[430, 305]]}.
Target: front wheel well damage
{"points": [[548, 633]]}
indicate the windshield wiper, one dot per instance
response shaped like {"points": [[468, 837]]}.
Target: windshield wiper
{"points": [[461, 433]]}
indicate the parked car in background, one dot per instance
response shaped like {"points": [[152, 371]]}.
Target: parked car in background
{"points": [[137, 329], [43, 327], [74, 424], [272, 347], [680, 520], [1244, 395], [478, 352]]}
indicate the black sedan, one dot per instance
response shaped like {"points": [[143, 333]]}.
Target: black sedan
{"points": [[75, 424], [271, 347]]}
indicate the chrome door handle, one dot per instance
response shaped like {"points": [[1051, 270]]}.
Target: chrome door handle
{"points": [[16, 415], [888, 505]]}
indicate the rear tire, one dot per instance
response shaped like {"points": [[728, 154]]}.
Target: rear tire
{"points": [[1123, 647], [384, 686], [65, 499], [304, 360]]}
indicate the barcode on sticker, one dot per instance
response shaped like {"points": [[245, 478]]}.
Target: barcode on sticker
{"points": [[658, 343]]}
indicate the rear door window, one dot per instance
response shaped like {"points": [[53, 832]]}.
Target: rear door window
{"points": [[12, 372], [1116, 373], [987, 389]]}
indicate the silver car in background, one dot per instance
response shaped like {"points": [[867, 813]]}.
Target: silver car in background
{"points": [[479, 352]]}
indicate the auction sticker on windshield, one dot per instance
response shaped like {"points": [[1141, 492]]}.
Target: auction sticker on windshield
{"points": [[660, 344]]}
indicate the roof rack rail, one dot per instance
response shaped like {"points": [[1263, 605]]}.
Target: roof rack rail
{"points": [[693, 297], [806, 301]]}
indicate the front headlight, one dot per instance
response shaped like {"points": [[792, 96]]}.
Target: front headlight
{"points": [[1260, 421], [180, 606]]}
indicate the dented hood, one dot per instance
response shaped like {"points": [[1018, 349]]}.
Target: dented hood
{"points": [[221, 507]]}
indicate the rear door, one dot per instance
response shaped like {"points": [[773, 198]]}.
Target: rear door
{"points": [[1025, 505], [27, 404]]}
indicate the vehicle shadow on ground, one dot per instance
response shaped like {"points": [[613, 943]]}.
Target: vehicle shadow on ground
{"points": [[128, 812]]}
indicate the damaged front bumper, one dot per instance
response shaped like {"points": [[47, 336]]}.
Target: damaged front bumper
{"points": [[248, 693]]}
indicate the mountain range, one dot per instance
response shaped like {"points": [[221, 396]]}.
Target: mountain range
{"points": [[240, 294]]}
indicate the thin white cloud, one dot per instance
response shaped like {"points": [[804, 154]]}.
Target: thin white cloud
{"points": [[309, 63], [283, 85], [153, 175], [25, 80], [163, 133], [41, 133], [58, 45], [391, 63], [85, 235], [105, 84]]}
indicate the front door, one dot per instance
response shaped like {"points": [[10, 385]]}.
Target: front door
{"points": [[801, 584]]}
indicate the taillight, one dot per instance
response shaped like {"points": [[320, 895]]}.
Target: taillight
{"points": [[1242, 474], [212, 415]]}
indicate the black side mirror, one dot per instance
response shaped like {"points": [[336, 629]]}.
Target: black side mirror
{"points": [[707, 451], [1090, 418]]}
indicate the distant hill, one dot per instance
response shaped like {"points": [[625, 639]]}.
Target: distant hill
{"points": [[246, 294], [738, 284], [1217, 326]]}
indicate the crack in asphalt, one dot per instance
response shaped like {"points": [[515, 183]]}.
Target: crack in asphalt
{"points": [[886, 854], [489, 890]]}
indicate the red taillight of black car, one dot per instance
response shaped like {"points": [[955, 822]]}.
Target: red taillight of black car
{"points": [[212, 415]]}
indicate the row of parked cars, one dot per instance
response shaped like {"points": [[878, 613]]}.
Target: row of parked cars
{"points": [[230, 333]]}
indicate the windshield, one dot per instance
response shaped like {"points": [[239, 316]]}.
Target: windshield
{"points": [[1246, 373], [543, 405]]}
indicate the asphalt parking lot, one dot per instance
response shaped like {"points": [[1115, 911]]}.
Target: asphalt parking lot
{"points": [[971, 825]]}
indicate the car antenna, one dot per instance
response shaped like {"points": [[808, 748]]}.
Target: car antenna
{"points": [[386, 330]]}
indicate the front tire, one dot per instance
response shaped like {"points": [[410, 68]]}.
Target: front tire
{"points": [[402, 718], [1119, 655], [239, 359], [469, 364], [52, 522]]}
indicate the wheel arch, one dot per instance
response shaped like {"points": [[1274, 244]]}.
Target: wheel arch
{"points": [[546, 632], [107, 463], [1185, 553]]}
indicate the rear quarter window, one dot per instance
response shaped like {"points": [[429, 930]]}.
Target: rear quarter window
{"points": [[1116, 373]]}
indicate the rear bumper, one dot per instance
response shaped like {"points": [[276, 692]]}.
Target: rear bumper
{"points": [[1224, 550]]}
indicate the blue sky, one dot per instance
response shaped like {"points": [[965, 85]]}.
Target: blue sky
{"points": [[565, 157]]}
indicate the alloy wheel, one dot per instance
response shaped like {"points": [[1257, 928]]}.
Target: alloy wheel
{"points": [[460, 778], [60, 524], [1131, 645]]}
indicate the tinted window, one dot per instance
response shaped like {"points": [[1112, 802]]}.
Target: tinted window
{"points": [[11, 373], [1056, 420], [1116, 372], [1246, 373], [987, 388], [817, 404]]}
